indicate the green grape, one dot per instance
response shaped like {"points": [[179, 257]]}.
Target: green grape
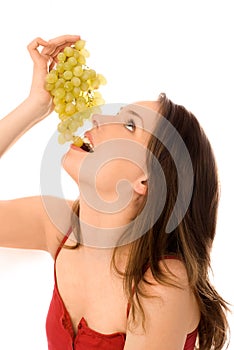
{"points": [[84, 86], [49, 87], [78, 141], [98, 101], [76, 54], [68, 135], [85, 53], [59, 83], [72, 61], [76, 91], [75, 81], [67, 75], [85, 75], [59, 108], [96, 110], [85, 114], [63, 116], [92, 74], [59, 93], [57, 100], [53, 71], [94, 83], [68, 66], [97, 94], [80, 103], [52, 92], [69, 97], [68, 51], [76, 117], [102, 79], [80, 44], [60, 67], [68, 86], [73, 87], [62, 127], [81, 59], [77, 71], [61, 139], [70, 108], [61, 57], [73, 126], [51, 78]]}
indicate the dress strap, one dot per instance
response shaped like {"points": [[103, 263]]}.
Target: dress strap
{"points": [[62, 242]]}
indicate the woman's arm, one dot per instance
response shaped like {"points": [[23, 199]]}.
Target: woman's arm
{"points": [[38, 104], [24, 222], [15, 124], [34, 222]]}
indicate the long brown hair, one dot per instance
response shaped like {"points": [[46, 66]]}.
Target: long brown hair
{"points": [[192, 239]]}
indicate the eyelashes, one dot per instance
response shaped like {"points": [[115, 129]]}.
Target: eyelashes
{"points": [[130, 125]]}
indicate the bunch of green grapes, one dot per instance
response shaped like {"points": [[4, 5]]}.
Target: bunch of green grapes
{"points": [[74, 88]]}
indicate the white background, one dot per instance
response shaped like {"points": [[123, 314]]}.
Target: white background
{"points": [[183, 48]]}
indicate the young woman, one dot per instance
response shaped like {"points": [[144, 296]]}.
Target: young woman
{"points": [[131, 270]]}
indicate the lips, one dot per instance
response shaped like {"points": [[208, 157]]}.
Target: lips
{"points": [[85, 143], [76, 148]]}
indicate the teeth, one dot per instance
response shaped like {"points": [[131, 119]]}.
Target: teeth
{"points": [[86, 140], [87, 146]]}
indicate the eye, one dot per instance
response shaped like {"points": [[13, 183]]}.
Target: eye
{"points": [[130, 125]]}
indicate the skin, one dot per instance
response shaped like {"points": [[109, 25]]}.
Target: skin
{"points": [[111, 132], [82, 273]]}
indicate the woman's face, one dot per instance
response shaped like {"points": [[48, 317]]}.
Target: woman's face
{"points": [[120, 144]]}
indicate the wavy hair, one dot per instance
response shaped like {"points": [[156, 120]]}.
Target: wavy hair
{"points": [[192, 239]]}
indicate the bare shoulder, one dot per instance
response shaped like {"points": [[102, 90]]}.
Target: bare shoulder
{"points": [[177, 291], [176, 287], [171, 311], [174, 269], [58, 220]]}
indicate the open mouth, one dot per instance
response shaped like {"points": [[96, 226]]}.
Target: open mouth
{"points": [[84, 143]]}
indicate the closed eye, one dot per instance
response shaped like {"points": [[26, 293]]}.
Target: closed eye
{"points": [[130, 125]]}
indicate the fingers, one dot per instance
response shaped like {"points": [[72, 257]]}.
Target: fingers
{"points": [[51, 48], [37, 42], [58, 44], [33, 46], [65, 39]]}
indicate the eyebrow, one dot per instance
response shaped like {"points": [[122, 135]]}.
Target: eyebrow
{"points": [[133, 113]]}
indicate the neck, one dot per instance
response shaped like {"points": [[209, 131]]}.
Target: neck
{"points": [[100, 257], [103, 219], [102, 230]]}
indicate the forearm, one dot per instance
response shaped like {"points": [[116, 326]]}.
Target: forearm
{"points": [[39, 103], [16, 123]]}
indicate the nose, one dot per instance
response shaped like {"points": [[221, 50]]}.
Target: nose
{"points": [[96, 120]]}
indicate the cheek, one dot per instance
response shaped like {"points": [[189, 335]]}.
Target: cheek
{"points": [[110, 175]]}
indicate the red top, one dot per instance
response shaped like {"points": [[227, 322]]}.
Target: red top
{"points": [[60, 334]]}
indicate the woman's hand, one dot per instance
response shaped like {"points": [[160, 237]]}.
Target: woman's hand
{"points": [[43, 54], [39, 102]]}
